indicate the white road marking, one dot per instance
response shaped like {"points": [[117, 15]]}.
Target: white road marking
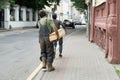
{"points": [[34, 73]]}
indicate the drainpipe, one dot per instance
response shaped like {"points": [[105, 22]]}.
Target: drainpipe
{"points": [[88, 25], [89, 21]]}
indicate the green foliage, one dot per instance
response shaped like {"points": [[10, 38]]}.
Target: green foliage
{"points": [[79, 4], [12, 2], [56, 1], [2, 2], [117, 70], [34, 4]]}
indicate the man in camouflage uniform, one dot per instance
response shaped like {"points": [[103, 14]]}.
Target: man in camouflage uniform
{"points": [[46, 26]]}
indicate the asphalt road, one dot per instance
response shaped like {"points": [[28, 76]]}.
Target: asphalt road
{"points": [[19, 53]]}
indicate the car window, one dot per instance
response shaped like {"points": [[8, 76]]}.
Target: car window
{"points": [[70, 20]]}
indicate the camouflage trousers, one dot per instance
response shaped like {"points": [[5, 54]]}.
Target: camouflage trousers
{"points": [[47, 49]]}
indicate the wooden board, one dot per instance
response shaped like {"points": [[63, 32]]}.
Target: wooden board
{"points": [[53, 36]]}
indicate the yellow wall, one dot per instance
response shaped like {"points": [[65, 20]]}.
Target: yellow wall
{"points": [[97, 2]]}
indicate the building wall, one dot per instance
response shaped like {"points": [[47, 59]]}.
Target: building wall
{"points": [[22, 24], [105, 28], [96, 2], [100, 26]]}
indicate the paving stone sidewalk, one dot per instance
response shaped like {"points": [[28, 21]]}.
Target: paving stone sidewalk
{"points": [[81, 60]]}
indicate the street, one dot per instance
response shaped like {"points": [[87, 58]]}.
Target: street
{"points": [[19, 53]]}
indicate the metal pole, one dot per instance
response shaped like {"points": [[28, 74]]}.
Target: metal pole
{"points": [[88, 26]]}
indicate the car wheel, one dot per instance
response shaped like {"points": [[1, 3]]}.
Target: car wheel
{"points": [[73, 27]]}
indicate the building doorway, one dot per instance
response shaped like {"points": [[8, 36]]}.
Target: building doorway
{"points": [[2, 19]]}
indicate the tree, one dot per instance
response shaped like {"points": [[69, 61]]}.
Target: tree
{"points": [[3, 2], [79, 4], [34, 4], [56, 1]]}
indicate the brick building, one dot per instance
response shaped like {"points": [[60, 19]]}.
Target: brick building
{"points": [[105, 27]]}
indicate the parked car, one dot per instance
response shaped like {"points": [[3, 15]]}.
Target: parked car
{"points": [[77, 22], [69, 23]]}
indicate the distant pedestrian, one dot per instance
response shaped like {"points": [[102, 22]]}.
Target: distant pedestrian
{"points": [[58, 24], [46, 26]]}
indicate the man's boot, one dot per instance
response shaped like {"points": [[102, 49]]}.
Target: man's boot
{"points": [[44, 63], [50, 67]]}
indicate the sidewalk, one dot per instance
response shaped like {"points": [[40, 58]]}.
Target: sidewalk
{"points": [[4, 32], [81, 60]]}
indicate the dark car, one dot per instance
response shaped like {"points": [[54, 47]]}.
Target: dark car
{"points": [[68, 23]]}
